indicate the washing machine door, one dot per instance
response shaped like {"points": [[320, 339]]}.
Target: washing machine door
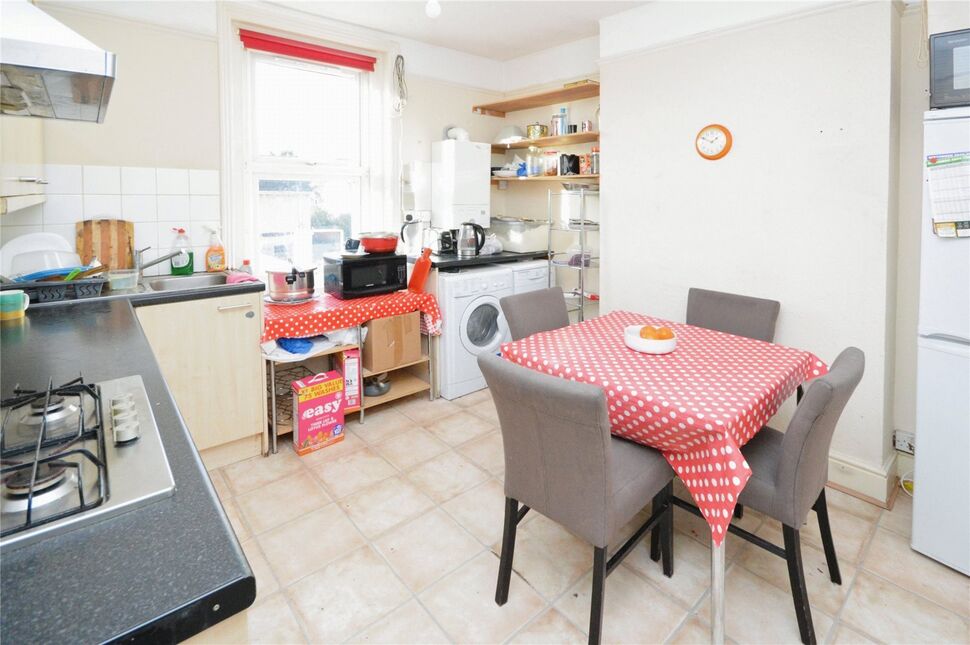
{"points": [[483, 327]]}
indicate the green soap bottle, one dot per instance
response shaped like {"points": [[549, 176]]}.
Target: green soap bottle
{"points": [[182, 264]]}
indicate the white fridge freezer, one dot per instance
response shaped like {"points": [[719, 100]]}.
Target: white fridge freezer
{"points": [[941, 497]]}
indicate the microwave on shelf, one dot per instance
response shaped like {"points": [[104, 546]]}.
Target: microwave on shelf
{"points": [[364, 274], [950, 69]]}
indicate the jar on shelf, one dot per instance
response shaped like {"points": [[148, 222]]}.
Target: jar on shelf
{"points": [[550, 163], [594, 165], [534, 162]]}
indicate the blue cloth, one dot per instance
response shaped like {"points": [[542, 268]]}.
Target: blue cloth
{"points": [[295, 345]]}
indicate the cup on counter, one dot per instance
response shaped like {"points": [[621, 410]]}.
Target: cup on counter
{"points": [[13, 304]]}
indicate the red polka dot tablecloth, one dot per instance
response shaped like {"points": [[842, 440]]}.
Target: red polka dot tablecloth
{"points": [[326, 313], [698, 405]]}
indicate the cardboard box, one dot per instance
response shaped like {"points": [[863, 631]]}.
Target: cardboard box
{"points": [[348, 364], [318, 412], [392, 342]]}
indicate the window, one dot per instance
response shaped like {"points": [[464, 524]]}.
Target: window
{"points": [[309, 158]]}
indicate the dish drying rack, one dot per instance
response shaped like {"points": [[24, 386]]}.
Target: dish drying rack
{"points": [[568, 259]]}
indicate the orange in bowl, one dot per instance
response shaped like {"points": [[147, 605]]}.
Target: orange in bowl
{"points": [[648, 339]]}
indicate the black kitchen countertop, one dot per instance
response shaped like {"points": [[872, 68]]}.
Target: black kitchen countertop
{"points": [[108, 579], [454, 262]]}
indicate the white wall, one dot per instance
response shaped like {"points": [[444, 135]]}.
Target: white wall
{"points": [[799, 210]]}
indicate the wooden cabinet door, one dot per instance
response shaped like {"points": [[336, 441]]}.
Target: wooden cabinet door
{"points": [[21, 156], [208, 351]]}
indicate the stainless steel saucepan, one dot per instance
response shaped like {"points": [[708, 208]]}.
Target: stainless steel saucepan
{"points": [[287, 286]]}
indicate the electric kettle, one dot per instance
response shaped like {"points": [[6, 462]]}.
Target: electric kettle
{"points": [[471, 239]]}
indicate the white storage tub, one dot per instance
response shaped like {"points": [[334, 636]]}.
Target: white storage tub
{"points": [[521, 235]]}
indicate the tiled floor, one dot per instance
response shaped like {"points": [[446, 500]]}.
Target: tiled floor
{"points": [[392, 537]]}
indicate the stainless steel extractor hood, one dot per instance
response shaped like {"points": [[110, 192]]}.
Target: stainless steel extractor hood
{"points": [[47, 70]]}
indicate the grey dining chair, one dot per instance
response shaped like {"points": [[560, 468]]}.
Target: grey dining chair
{"points": [[732, 313], [562, 461], [534, 311]]}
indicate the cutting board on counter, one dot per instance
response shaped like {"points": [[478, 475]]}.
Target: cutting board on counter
{"points": [[112, 241]]}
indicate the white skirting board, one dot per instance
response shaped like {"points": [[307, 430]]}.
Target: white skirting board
{"points": [[849, 474]]}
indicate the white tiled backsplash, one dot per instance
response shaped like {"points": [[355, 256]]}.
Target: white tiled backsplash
{"points": [[155, 199]]}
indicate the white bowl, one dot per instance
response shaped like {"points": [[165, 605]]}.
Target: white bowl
{"points": [[505, 174], [33, 261], [631, 336]]}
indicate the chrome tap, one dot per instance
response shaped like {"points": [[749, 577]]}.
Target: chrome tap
{"points": [[140, 265]]}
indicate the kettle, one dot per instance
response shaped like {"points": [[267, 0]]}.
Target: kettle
{"points": [[471, 239]]}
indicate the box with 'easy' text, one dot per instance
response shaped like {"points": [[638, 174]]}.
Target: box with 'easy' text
{"points": [[318, 412]]}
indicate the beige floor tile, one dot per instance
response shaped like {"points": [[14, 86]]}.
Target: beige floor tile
{"points": [[486, 410], [548, 557], [458, 428], [384, 505], [463, 603], [845, 635], [550, 628], [409, 448], [698, 529], [351, 473], [446, 475], [283, 500], [257, 472], [408, 624], [758, 612], [822, 592], [308, 543], [692, 568], [382, 424], [348, 594], [219, 484], [471, 399], [271, 622], [481, 511], [266, 583], [891, 557], [900, 519], [486, 452], [850, 533], [694, 631], [635, 611], [843, 501], [894, 615], [426, 548], [421, 410], [351, 443], [236, 519]]}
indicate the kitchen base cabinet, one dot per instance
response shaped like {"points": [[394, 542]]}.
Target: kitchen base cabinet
{"points": [[208, 351]]}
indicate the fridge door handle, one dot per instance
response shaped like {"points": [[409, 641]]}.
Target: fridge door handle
{"points": [[948, 338]]}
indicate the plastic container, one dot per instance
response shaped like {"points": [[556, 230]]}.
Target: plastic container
{"points": [[521, 235], [246, 267], [33, 261], [570, 208], [120, 279], [184, 264], [419, 275], [550, 163], [215, 255]]}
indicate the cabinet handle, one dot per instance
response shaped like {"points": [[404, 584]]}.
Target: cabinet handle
{"points": [[31, 180], [233, 307]]}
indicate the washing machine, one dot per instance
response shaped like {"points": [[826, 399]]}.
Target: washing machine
{"points": [[472, 324], [531, 275]]}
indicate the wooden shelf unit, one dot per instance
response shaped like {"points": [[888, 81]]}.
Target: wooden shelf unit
{"points": [[403, 383], [567, 179], [424, 359], [545, 142], [574, 92]]}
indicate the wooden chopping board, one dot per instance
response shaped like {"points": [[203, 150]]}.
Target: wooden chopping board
{"points": [[112, 241]]}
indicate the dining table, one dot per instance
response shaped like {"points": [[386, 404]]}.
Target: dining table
{"points": [[698, 404]]}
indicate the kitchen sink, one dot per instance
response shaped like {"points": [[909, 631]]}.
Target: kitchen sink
{"points": [[187, 282]]}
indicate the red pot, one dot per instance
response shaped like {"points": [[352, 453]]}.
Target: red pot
{"points": [[378, 242]]}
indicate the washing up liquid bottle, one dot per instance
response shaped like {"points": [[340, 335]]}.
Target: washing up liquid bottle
{"points": [[215, 255], [182, 264]]}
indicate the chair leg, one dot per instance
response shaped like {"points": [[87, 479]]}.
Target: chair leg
{"points": [[599, 590], [796, 576], [658, 500], [667, 534], [822, 511], [508, 550], [739, 511]]}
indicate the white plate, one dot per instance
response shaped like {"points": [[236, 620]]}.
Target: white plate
{"points": [[505, 174], [631, 336]]}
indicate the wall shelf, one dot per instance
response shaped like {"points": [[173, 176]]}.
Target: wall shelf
{"points": [[574, 92], [563, 178], [545, 142]]}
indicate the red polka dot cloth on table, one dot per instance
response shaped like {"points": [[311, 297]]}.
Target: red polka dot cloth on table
{"points": [[697, 405], [327, 313]]}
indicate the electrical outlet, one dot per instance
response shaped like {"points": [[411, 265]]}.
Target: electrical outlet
{"points": [[904, 441]]}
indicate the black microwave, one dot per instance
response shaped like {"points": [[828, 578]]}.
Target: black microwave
{"points": [[364, 274], [950, 69]]}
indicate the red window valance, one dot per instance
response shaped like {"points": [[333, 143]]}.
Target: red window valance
{"points": [[306, 51]]}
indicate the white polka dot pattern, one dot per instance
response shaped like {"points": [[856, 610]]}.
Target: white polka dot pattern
{"points": [[698, 405], [327, 313]]}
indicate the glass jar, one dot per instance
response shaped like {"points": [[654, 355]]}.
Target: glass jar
{"points": [[534, 162], [550, 163], [594, 165]]}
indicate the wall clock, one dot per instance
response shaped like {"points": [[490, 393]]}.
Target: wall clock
{"points": [[713, 141]]}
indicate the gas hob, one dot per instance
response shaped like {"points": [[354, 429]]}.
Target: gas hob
{"points": [[75, 454]]}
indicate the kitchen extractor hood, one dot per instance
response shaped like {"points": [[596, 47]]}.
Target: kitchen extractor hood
{"points": [[47, 70]]}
